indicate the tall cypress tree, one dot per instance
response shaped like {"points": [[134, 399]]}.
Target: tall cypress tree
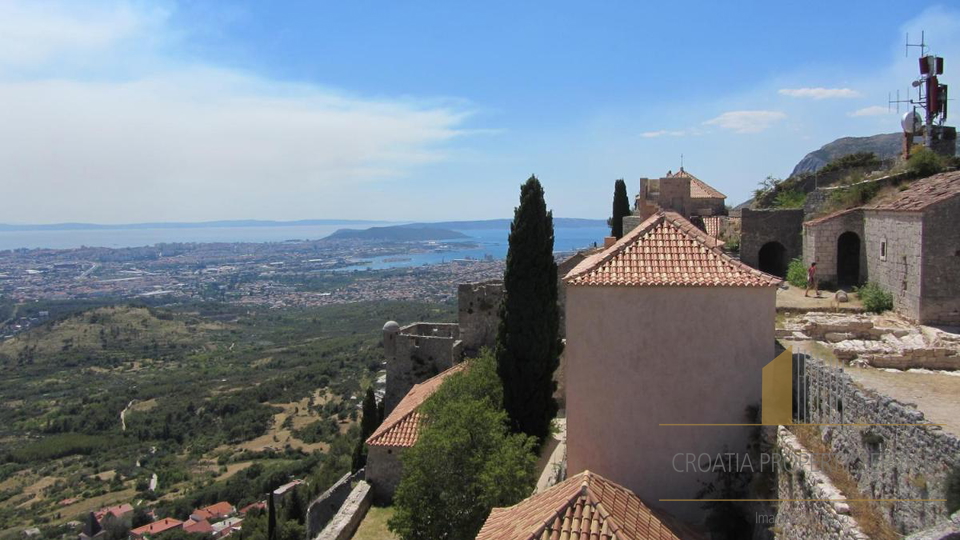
{"points": [[621, 208], [369, 423], [528, 339], [271, 517]]}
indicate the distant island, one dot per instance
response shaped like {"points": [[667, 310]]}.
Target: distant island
{"points": [[398, 234]]}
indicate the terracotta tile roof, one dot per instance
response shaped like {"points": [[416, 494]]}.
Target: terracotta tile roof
{"points": [[923, 193], [667, 250], [118, 511], [713, 224], [698, 188], [202, 526], [156, 527], [584, 506], [215, 511], [260, 505], [402, 426], [828, 217]]}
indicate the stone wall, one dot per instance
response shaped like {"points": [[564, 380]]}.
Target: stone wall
{"points": [[708, 206], [675, 195], [345, 523], [759, 227], [324, 507], [941, 258], [478, 314], [383, 471], [898, 270], [799, 481], [419, 351], [888, 459], [820, 239]]}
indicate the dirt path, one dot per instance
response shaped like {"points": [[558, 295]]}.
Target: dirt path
{"points": [[934, 393], [123, 414]]}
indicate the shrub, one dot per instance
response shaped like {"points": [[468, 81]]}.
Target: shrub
{"points": [[465, 462], [793, 198], [875, 298], [924, 162], [797, 273]]}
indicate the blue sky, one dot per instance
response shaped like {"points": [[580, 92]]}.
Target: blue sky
{"points": [[187, 111]]}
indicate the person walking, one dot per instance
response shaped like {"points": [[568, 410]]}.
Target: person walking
{"points": [[812, 281]]}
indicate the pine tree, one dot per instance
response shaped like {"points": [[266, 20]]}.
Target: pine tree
{"points": [[621, 208], [294, 507], [528, 341]]}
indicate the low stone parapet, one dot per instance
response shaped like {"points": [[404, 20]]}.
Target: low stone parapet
{"points": [[346, 521]]}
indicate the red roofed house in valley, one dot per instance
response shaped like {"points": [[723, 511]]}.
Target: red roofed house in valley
{"points": [[583, 506], [151, 530], [908, 244], [398, 431], [214, 512], [662, 312], [121, 513]]}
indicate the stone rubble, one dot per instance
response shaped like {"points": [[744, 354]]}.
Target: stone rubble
{"points": [[877, 340]]}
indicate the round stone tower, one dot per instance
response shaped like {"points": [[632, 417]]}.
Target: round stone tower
{"points": [[390, 331]]}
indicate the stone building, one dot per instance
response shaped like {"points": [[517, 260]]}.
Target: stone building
{"points": [[680, 192], [421, 350], [663, 327], [770, 239], [415, 353], [908, 244], [586, 505], [478, 314], [398, 432]]}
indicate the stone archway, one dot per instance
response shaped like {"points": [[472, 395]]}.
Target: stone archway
{"points": [[848, 259], [772, 259]]}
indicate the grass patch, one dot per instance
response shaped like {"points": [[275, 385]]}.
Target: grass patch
{"points": [[374, 525]]}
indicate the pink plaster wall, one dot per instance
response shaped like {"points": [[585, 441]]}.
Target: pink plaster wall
{"points": [[637, 357]]}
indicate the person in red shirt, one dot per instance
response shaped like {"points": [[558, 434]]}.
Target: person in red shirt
{"points": [[812, 281]]}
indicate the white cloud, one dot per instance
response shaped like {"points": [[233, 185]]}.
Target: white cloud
{"points": [[667, 133], [874, 110], [819, 93], [181, 141], [746, 121]]}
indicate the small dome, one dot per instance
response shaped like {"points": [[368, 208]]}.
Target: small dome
{"points": [[391, 326]]}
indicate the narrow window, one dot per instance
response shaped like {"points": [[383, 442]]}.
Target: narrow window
{"points": [[883, 249]]}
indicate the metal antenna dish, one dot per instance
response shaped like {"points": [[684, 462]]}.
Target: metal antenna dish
{"points": [[911, 122]]}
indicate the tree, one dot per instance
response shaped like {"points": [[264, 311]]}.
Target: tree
{"points": [[271, 517], [368, 424], [294, 506], [528, 339], [465, 462], [621, 208]]}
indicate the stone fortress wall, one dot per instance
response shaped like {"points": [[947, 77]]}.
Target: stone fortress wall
{"points": [[889, 460]]}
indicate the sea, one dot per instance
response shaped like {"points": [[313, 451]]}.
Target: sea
{"points": [[479, 244]]}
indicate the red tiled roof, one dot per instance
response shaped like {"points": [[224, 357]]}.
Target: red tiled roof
{"points": [[402, 426], [260, 505], [156, 527], [833, 215], [119, 510], [713, 224], [667, 250], [584, 506], [698, 188], [202, 526], [216, 511], [923, 193]]}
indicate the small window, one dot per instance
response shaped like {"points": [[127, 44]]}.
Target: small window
{"points": [[883, 249]]}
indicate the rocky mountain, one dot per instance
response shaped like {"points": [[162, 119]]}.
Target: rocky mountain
{"points": [[885, 145]]}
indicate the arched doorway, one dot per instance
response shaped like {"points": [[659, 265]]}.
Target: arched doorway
{"points": [[848, 259], [773, 259]]}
